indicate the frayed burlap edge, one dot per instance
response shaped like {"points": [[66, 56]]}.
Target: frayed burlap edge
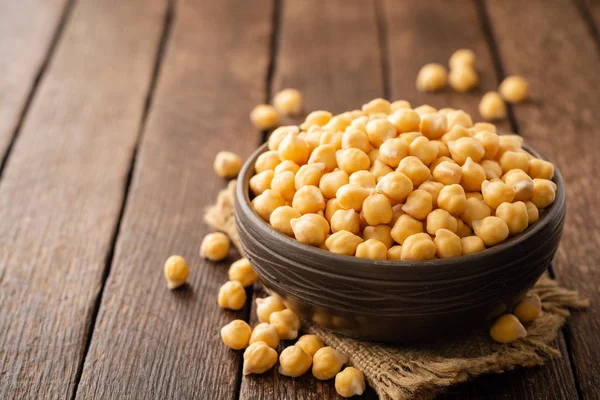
{"points": [[422, 371]]}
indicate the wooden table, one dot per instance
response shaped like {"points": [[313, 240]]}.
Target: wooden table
{"points": [[111, 112]]}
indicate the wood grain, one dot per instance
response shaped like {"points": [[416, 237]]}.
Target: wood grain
{"points": [[150, 342], [562, 121], [62, 189], [27, 29]]}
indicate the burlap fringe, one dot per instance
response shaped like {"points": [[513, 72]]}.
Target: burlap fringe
{"points": [[422, 371]]}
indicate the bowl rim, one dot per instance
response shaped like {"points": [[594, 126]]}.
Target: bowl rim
{"points": [[361, 265]]}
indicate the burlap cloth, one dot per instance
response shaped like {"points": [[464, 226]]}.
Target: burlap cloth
{"points": [[422, 371]]}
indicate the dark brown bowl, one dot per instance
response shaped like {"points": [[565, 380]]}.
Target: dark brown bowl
{"points": [[396, 301]]}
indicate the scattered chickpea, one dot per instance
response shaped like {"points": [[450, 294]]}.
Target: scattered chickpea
{"points": [[433, 126], [471, 244], [227, 164], [281, 217], [418, 204], [447, 244], [215, 246], [350, 382], [288, 102], [452, 198], [286, 322], [377, 106], [462, 57], [540, 169], [265, 332], [507, 329], [259, 358], [363, 178], [463, 78], [265, 203], [533, 214], [236, 334], [176, 271], [476, 210], [440, 219], [268, 305], [492, 107], [372, 249], [466, 147], [310, 229], [310, 344], [380, 130], [395, 253], [414, 169], [419, 246], [327, 362], [448, 173], [264, 117], [431, 78], [318, 118], [232, 295], [332, 181], [492, 230], [294, 361], [544, 192], [242, 271], [377, 209], [514, 89], [262, 181], [529, 308], [343, 242], [496, 193], [405, 120]]}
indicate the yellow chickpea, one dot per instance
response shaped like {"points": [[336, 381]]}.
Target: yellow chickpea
{"points": [[372, 249], [408, 137], [318, 118], [462, 229], [310, 229], [443, 150], [236, 334], [462, 57], [514, 160], [376, 106], [540, 169], [514, 215], [492, 107], [332, 138], [414, 169], [380, 130], [448, 173], [377, 209], [405, 120], [496, 193], [352, 160], [337, 124], [312, 137], [533, 214], [279, 134], [544, 192], [392, 151], [471, 245], [288, 102], [280, 219], [286, 322], [324, 154], [267, 333], [475, 195], [331, 207], [350, 382], [425, 109], [433, 126], [260, 182], [447, 244], [284, 184], [459, 118], [507, 329], [327, 362], [258, 358], [452, 198], [418, 204], [381, 233], [176, 271], [440, 219], [417, 247], [473, 175], [264, 117], [492, 169], [343, 242], [268, 305], [331, 182], [294, 362], [351, 196], [267, 161], [308, 199], [294, 148], [431, 78], [310, 344], [404, 227], [466, 147], [286, 165], [490, 142], [379, 169], [360, 123], [227, 164], [308, 175], [232, 296], [345, 220], [463, 78], [396, 213], [476, 210], [373, 155], [508, 143], [363, 178], [455, 133], [354, 138], [492, 230], [242, 271], [483, 126], [396, 185], [514, 89], [422, 148], [520, 182], [400, 104], [529, 308], [215, 246]]}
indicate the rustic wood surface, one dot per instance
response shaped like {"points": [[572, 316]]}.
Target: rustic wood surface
{"points": [[111, 113]]}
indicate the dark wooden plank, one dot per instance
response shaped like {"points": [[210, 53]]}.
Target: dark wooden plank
{"points": [[330, 52], [61, 193], [150, 342], [412, 43], [27, 30], [562, 121], [592, 7]]}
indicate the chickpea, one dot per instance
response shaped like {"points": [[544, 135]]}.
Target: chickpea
{"points": [[443, 150], [496, 193], [463, 78], [396, 213], [279, 134], [425, 109], [520, 182], [471, 245], [422, 148], [492, 230], [508, 143], [473, 175], [459, 118], [404, 227], [350, 382], [260, 182], [417, 247], [215, 246], [433, 126], [447, 244], [448, 173], [242, 271], [265, 203], [354, 138], [514, 89], [507, 329], [309, 175], [395, 253], [475, 195], [363, 178], [343, 242], [332, 138], [514, 215], [476, 210], [310, 344], [433, 188], [310, 229], [176, 271], [529, 308], [352, 160], [462, 57], [431, 78], [533, 214], [393, 150], [405, 120], [267, 161], [462, 229], [396, 185], [308, 199], [400, 104], [382, 233], [490, 142], [227, 164], [492, 169], [377, 209], [373, 155], [440, 219], [514, 160], [267, 333], [232, 295], [414, 169], [345, 220], [286, 165], [332, 181], [331, 207], [284, 184], [492, 107], [377, 106], [483, 126], [351, 196], [463, 148], [380, 130], [324, 154], [318, 118], [264, 117], [337, 124], [372, 249], [455, 133], [452, 198], [266, 306], [294, 148], [408, 137], [236, 334], [379, 169], [418, 204], [288, 102], [327, 362], [540, 169], [312, 137], [259, 358], [286, 322], [281, 217], [544, 192], [293, 361]]}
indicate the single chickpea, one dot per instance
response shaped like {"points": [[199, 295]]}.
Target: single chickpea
{"points": [[404, 227], [440, 219], [529, 308], [473, 175], [294, 148], [422, 148], [447, 244], [331, 207], [351, 196], [215, 246], [232, 295], [462, 57], [492, 169], [483, 126], [418, 204], [343, 242], [459, 117], [281, 217], [259, 358], [363, 178], [308, 199], [286, 165], [405, 120], [425, 109], [492, 230], [236, 334], [293, 361], [352, 160], [265, 203], [380, 130], [433, 126], [400, 104], [463, 78], [308, 175], [267, 161], [356, 139], [286, 322], [496, 193], [462, 229], [492, 107], [514, 160], [476, 210], [396, 185], [508, 143], [393, 150], [318, 118], [533, 214], [310, 229], [540, 169], [260, 182], [443, 150], [372, 249], [264, 117], [544, 192], [345, 220], [227, 164], [455, 133], [332, 138], [379, 169], [471, 245], [279, 134], [242, 271], [433, 188], [288, 102], [514, 215], [325, 154], [381, 233], [507, 329], [463, 148], [514, 89], [332, 181], [377, 106], [452, 198], [268, 305], [395, 253], [337, 124], [448, 173], [176, 271], [350, 382], [414, 169], [284, 184], [265, 332], [520, 182], [327, 362], [490, 142], [377, 209], [310, 344], [431, 78], [417, 247]]}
